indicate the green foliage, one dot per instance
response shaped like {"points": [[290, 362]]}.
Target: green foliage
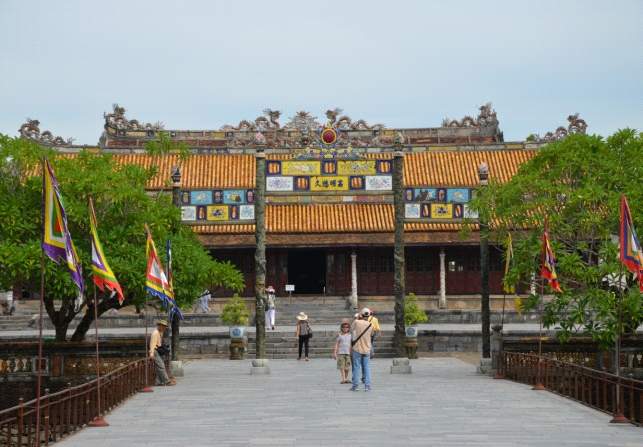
{"points": [[412, 313], [577, 184], [122, 208], [164, 145], [235, 312]]}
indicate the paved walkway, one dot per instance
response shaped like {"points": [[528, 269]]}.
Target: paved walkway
{"points": [[444, 403]]}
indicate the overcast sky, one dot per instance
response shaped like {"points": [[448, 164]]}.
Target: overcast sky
{"points": [[202, 64]]}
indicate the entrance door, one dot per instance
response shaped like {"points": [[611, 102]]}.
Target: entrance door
{"points": [[307, 271]]}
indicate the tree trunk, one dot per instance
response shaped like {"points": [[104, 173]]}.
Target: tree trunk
{"points": [[88, 317], [484, 276], [61, 331], [260, 255], [175, 336], [398, 253]]}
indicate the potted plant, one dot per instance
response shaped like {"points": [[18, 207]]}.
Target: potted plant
{"points": [[236, 315], [413, 315]]}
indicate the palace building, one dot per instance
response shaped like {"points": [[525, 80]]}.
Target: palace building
{"points": [[329, 198]]}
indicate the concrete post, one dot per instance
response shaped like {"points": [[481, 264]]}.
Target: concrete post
{"points": [[443, 280], [176, 366], [353, 298], [260, 254], [483, 175], [398, 250]]}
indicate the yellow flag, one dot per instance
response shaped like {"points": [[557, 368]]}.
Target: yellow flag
{"points": [[509, 254]]}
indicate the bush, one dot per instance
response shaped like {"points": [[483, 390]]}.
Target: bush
{"points": [[235, 312], [412, 313]]}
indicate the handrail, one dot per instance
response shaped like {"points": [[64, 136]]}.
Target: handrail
{"points": [[66, 411], [594, 388]]}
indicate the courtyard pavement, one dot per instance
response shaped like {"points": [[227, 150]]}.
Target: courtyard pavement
{"points": [[443, 403]]}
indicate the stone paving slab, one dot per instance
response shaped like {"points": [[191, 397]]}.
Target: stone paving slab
{"points": [[443, 403]]}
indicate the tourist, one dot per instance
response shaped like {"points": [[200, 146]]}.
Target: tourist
{"points": [[204, 301], [270, 308], [361, 333], [304, 333], [342, 352], [375, 332], [156, 353]]}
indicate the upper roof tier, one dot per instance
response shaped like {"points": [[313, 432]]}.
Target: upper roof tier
{"points": [[302, 130]]}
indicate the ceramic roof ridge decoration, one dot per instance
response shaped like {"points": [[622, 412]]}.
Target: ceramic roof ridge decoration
{"points": [[576, 125], [31, 130]]}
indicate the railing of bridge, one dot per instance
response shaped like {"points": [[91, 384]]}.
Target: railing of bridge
{"points": [[66, 411], [591, 387]]}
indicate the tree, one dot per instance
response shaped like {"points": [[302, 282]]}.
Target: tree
{"points": [[122, 205], [575, 183]]}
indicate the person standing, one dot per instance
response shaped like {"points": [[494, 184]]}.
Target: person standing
{"points": [[204, 301], [375, 332], [361, 333], [156, 352], [304, 333], [270, 307], [342, 352]]}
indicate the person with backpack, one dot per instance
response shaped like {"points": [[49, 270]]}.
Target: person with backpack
{"points": [[304, 333], [361, 330]]}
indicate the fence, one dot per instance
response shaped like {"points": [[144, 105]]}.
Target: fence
{"points": [[66, 411], [591, 387]]}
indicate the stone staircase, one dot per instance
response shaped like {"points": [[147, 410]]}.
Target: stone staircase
{"points": [[320, 310], [282, 345], [14, 322]]}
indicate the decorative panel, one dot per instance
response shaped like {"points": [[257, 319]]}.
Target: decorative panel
{"points": [[438, 203], [218, 205]]}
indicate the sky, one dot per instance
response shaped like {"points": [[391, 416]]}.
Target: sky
{"points": [[202, 64]]}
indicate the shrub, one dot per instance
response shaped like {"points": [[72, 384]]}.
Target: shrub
{"points": [[235, 312], [412, 313]]}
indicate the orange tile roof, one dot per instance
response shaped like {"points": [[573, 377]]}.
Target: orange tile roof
{"points": [[460, 168], [207, 171], [328, 218]]}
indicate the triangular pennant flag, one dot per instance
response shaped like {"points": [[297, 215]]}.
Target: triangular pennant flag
{"points": [[548, 268], [103, 275], [631, 254], [56, 241]]}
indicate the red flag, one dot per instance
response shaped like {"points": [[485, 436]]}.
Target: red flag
{"points": [[548, 267], [631, 254]]}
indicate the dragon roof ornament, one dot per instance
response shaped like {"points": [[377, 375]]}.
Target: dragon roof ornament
{"points": [[116, 120], [31, 130], [486, 118], [268, 121], [576, 125]]}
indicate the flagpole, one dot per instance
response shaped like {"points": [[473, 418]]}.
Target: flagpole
{"points": [[42, 296], [539, 385], [98, 421], [147, 388], [619, 418]]}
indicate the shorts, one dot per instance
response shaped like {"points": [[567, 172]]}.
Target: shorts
{"points": [[343, 361]]}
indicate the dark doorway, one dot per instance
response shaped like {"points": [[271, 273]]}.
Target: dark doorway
{"points": [[307, 270]]}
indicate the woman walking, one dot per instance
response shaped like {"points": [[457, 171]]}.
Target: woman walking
{"points": [[304, 333], [270, 308]]}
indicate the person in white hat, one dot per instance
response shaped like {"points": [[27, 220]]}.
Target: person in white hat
{"points": [[361, 353], [270, 307], [304, 333]]}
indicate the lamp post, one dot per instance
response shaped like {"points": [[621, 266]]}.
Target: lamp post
{"points": [[176, 201], [483, 177], [260, 251]]}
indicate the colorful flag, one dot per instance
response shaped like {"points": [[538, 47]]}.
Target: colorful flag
{"points": [[509, 254], [631, 254], [548, 268], [56, 240], [156, 282], [102, 274]]}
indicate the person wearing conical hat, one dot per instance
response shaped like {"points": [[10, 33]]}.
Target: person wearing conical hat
{"points": [[304, 333], [156, 349]]}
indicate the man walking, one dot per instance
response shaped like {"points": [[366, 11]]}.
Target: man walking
{"points": [[361, 330], [157, 350]]}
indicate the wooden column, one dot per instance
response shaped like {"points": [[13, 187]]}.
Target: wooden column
{"points": [[398, 251], [260, 254], [175, 323], [483, 174], [354, 280], [443, 280], [330, 273]]}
